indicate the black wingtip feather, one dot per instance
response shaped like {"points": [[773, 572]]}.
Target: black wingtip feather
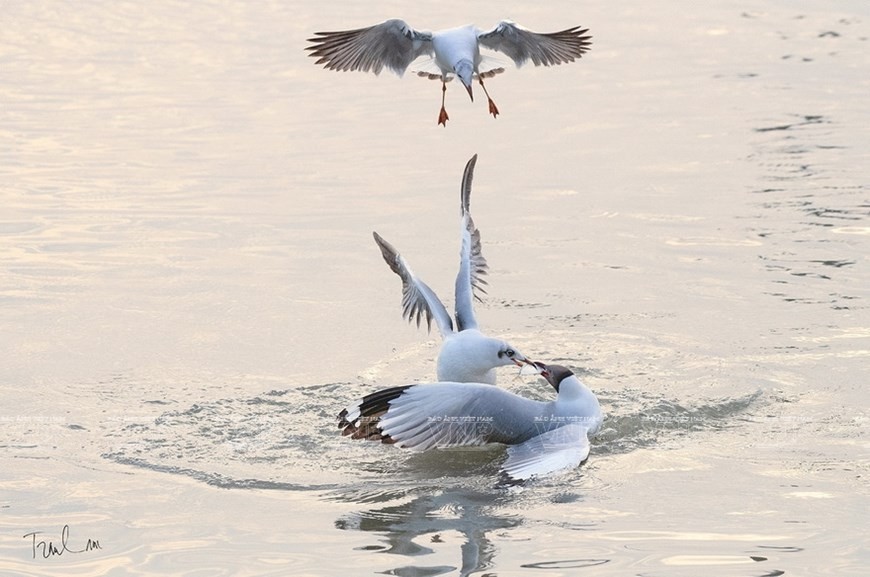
{"points": [[371, 408]]}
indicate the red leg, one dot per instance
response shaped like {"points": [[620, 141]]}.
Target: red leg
{"points": [[442, 117], [493, 109]]}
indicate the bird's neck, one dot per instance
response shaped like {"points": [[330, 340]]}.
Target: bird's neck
{"points": [[571, 389]]}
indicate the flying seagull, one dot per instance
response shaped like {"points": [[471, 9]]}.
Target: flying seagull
{"points": [[542, 437], [395, 44], [466, 355]]}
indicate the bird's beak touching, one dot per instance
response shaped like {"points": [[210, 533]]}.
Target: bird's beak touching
{"points": [[470, 93], [540, 367], [526, 366]]}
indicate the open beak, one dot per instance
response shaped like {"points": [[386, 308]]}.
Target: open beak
{"points": [[538, 368], [520, 361]]}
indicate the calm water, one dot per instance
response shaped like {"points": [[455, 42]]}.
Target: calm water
{"points": [[189, 291]]}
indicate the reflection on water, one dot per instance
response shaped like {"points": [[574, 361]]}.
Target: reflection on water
{"points": [[454, 525]]}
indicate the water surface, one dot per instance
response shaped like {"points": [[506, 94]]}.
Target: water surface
{"points": [[189, 291]]}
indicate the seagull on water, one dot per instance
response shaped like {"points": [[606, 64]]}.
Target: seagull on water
{"points": [[466, 355], [456, 51], [542, 437]]}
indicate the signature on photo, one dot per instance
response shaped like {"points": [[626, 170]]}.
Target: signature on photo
{"points": [[49, 549]]}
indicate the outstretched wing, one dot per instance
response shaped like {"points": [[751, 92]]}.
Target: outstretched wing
{"points": [[418, 300], [440, 415], [393, 44], [549, 49], [554, 450], [457, 414], [361, 420], [472, 265]]}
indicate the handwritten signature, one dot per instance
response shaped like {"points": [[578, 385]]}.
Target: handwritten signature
{"points": [[48, 549]]}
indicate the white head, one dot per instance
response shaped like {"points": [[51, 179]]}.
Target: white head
{"points": [[464, 70], [471, 357]]}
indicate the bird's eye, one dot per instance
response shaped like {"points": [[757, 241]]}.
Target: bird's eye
{"points": [[509, 353]]}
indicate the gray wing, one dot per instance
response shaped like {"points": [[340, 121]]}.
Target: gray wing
{"points": [[458, 414], [472, 265], [393, 44], [549, 452], [418, 300], [549, 49]]}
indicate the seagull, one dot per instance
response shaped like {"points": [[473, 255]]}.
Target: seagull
{"points": [[466, 355], [395, 44], [542, 437]]}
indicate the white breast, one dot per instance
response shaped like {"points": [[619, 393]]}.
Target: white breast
{"points": [[455, 44]]}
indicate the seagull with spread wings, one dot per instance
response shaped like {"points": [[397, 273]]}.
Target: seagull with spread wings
{"points": [[456, 51], [467, 355]]}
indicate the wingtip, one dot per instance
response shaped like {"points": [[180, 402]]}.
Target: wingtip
{"points": [[506, 481], [469, 166], [387, 250], [467, 179]]}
